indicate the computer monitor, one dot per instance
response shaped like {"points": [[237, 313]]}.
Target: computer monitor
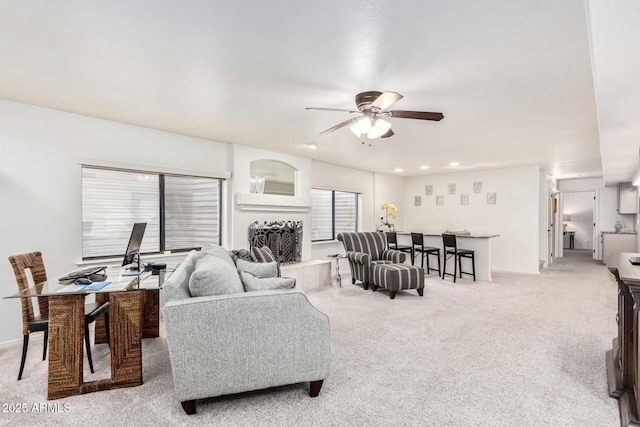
{"points": [[133, 248]]}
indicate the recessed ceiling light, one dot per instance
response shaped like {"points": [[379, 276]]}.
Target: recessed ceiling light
{"points": [[454, 164], [424, 167], [398, 169], [313, 146]]}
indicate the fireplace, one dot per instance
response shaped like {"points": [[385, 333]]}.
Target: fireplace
{"points": [[284, 238]]}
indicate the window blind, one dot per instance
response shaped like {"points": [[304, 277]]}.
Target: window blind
{"points": [[321, 214], [111, 202], [332, 212], [191, 211], [345, 212], [181, 212]]}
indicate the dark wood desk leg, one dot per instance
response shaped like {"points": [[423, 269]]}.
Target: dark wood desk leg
{"points": [[151, 314], [100, 335], [125, 323], [66, 340]]}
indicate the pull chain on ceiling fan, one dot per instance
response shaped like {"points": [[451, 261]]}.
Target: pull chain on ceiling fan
{"points": [[372, 106]]}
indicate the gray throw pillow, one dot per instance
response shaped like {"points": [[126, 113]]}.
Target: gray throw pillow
{"points": [[218, 251], [258, 269], [253, 283], [262, 254], [214, 276]]}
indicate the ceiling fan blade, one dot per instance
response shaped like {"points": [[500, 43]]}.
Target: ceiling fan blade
{"points": [[386, 100], [388, 134], [340, 125], [331, 109], [420, 115]]}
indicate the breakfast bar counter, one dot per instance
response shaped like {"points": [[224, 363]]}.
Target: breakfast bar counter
{"points": [[480, 243]]}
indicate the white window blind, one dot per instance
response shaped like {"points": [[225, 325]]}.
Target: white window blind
{"points": [[345, 212], [191, 211], [332, 212], [111, 202], [321, 215], [181, 212]]}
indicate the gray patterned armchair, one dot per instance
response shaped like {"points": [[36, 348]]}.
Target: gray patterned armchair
{"points": [[364, 250]]}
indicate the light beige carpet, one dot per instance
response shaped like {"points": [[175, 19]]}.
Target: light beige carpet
{"points": [[519, 351]]}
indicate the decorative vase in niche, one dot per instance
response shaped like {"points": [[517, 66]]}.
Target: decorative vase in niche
{"points": [[618, 226], [257, 184]]}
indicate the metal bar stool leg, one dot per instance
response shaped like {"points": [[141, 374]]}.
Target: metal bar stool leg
{"points": [[473, 265]]}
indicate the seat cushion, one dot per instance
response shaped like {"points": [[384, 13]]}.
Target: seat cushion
{"points": [[395, 277]]}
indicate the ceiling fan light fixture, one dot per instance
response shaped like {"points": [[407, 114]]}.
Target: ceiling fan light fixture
{"points": [[364, 124], [379, 128], [355, 129]]}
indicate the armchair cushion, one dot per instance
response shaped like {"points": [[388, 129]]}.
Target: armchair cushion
{"points": [[214, 276], [394, 256], [253, 283], [258, 269]]}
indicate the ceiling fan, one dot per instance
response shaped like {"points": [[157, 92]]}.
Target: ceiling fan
{"points": [[372, 107]]}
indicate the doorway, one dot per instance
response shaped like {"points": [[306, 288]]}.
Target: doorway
{"points": [[578, 219]]}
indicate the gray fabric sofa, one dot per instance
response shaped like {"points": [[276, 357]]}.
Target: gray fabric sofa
{"points": [[366, 249], [237, 342]]}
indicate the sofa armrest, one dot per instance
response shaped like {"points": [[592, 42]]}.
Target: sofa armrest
{"points": [[358, 257], [393, 255], [233, 343]]}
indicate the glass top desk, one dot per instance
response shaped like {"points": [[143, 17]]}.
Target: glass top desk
{"points": [[134, 314]]}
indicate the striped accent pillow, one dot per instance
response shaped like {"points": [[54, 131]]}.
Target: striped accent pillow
{"points": [[262, 254]]}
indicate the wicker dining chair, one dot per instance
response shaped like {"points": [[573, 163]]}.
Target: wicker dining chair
{"points": [[40, 323]]}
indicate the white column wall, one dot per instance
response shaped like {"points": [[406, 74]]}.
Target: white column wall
{"points": [[242, 219]]}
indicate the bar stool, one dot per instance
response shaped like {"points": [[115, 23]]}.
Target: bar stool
{"points": [[392, 242], [417, 240], [449, 241]]}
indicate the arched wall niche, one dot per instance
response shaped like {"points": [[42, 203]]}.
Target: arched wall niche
{"points": [[272, 177]]}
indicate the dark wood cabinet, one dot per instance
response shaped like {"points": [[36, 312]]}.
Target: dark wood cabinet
{"points": [[623, 363]]}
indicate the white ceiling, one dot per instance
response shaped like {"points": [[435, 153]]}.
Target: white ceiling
{"points": [[513, 79]]}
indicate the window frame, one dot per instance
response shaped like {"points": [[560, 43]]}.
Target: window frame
{"points": [[161, 208], [333, 213]]}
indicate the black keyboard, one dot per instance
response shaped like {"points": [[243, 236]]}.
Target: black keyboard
{"points": [[85, 272]]}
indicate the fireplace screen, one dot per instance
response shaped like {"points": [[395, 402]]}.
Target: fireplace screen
{"points": [[284, 238]]}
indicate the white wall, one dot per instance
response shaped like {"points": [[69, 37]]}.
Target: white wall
{"points": [[40, 182], [389, 189], [515, 216]]}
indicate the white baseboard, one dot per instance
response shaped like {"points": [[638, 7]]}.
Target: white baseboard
{"points": [[36, 336]]}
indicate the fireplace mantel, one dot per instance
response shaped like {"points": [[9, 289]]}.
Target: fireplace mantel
{"points": [[272, 203]]}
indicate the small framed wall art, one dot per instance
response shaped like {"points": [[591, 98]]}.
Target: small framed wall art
{"points": [[451, 188], [491, 198], [428, 190], [440, 200], [417, 201], [464, 199], [477, 187]]}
